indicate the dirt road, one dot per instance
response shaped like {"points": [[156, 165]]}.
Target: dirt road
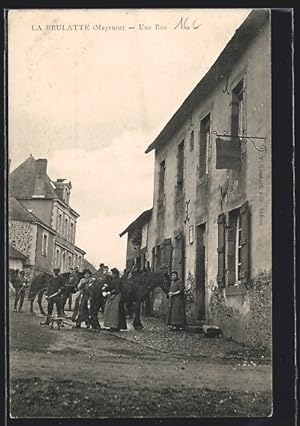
{"points": [[80, 373]]}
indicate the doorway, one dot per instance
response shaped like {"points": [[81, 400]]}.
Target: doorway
{"points": [[179, 256], [200, 272]]}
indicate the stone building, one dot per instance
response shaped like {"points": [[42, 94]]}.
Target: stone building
{"points": [[211, 218], [137, 241], [42, 224], [16, 260]]}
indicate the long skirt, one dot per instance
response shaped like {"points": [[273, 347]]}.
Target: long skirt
{"points": [[176, 313], [114, 313], [83, 310]]}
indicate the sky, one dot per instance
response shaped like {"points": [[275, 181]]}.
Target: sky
{"points": [[91, 99]]}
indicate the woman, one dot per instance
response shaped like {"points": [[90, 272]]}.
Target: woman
{"points": [[176, 314], [81, 312], [114, 312]]}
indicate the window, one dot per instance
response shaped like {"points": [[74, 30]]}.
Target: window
{"points": [[72, 233], [192, 137], [180, 165], [63, 262], [204, 145], [70, 262], [233, 247], [66, 228], [45, 243], [237, 110], [57, 258], [161, 189], [59, 223]]}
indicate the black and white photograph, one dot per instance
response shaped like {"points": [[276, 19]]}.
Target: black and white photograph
{"points": [[139, 213]]}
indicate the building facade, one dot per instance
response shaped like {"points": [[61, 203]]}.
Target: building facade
{"points": [[137, 241], [211, 217], [42, 224]]}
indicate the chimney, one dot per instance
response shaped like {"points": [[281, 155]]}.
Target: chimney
{"points": [[40, 174]]}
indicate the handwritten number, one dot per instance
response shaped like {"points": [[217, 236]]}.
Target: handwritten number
{"points": [[183, 24]]}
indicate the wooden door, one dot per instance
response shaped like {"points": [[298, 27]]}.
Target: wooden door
{"points": [[200, 272]]}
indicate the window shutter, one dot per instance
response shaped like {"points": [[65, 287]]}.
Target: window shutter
{"points": [[245, 226], [203, 149], [221, 250], [234, 115], [231, 249], [167, 253]]}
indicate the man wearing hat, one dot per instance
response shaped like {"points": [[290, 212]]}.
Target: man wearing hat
{"points": [[53, 295], [20, 286]]}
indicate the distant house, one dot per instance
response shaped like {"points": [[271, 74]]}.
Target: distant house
{"points": [[27, 235], [89, 265], [137, 238], [42, 222]]}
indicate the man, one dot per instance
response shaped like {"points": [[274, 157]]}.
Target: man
{"points": [[20, 286], [53, 295], [73, 281]]}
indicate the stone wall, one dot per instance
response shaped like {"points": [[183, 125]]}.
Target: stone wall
{"points": [[21, 237], [249, 322]]}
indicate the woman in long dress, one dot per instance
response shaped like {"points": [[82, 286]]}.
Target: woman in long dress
{"points": [[114, 312], [82, 313], [176, 314]]}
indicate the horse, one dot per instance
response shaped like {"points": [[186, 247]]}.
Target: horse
{"points": [[38, 286], [136, 290]]}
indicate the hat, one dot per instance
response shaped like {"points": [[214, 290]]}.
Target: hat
{"points": [[86, 271], [55, 269], [115, 271], [101, 265]]}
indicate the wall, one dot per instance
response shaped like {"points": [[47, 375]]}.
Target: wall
{"points": [[42, 262], [57, 209], [15, 264], [235, 315], [22, 236]]}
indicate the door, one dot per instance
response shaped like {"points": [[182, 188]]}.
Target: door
{"points": [[200, 272], [179, 256]]}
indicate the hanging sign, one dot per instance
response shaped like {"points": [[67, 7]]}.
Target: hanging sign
{"points": [[228, 153]]}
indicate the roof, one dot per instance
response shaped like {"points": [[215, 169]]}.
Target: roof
{"points": [[88, 265], [80, 250], [140, 221], [16, 211], [234, 48], [15, 254], [31, 181], [22, 181]]}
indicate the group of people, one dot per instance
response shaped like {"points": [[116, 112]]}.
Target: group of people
{"points": [[93, 293], [98, 292]]}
